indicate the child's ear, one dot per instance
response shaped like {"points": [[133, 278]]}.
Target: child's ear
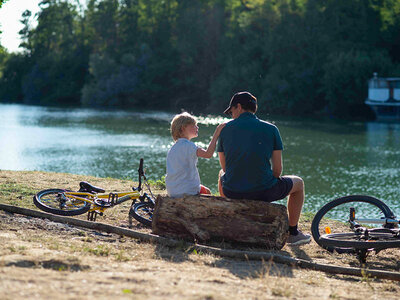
{"points": [[182, 130]]}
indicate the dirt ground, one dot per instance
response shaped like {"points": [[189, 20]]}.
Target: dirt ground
{"points": [[40, 259]]}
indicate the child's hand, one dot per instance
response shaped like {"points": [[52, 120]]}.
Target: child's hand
{"points": [[219, 128]]}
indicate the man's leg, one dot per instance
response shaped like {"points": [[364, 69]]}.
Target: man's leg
{"points": [[295, 200], [294, 206]]}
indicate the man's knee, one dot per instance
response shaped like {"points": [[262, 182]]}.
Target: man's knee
{"points": [[298, 184]]}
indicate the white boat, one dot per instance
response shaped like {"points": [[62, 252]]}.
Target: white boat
{"points": [[384, 97]]}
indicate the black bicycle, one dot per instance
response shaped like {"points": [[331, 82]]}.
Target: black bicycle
{"points": [[356, 224], [95, 200]]}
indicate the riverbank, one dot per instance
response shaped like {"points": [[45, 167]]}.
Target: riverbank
{"points": [[42, 259]]}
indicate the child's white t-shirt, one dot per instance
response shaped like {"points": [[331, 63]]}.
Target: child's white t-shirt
{"points": [[182, 174]]}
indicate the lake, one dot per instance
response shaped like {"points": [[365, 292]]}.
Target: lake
{"points": [[333, 158]]}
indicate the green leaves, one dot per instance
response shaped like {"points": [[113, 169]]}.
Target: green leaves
{"points": [[1, 2], [297, 56]]}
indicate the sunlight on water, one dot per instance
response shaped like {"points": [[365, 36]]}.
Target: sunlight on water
{"points": [[334, 159], [211, 120]]}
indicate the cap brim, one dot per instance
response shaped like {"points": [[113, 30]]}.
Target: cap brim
{"points": [[226, 111]]}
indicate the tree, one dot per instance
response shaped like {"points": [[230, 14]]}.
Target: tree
{"points": [[112, 84], [3, 57], [1, 2], [59, 61], [191, 54], [15, 65], [26, 31], [102, 19], [346, 77]]}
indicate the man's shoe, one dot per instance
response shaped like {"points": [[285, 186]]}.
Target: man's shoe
{"points": [[299, 239]]}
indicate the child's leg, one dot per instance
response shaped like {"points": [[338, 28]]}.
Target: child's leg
{"points": [[204, 190], [221, 192]]}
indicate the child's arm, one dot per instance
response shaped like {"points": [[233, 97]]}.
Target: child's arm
{"points": [[211, 147]]}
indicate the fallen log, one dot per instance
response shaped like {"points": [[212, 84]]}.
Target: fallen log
{"points": [[206, 218]]}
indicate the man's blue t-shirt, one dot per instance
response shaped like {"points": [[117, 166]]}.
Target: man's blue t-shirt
{"points": [[248, 143]]}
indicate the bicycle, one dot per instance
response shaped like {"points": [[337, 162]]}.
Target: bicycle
{"points": [[376, 229], [95, 201]]}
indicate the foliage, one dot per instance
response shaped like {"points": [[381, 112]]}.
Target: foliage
{"points": [[299, 57], [14, 69], [158, 184], [345, 78], [2, 2], [112, 83], [3, 57]]}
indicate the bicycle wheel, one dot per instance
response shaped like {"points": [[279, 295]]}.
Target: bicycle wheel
{"points": [[335, 215], [375, 240], [142, 212], [54, 201]]}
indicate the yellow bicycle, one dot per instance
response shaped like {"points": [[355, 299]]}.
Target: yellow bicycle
{"points": [[95, 201]]}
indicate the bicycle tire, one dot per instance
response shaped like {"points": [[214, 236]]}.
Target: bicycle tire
{"points": [[315, 225], [48, 201], [142, 212], [377, 240]]}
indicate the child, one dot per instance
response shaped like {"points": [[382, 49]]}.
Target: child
{"points": [[182, 174]]}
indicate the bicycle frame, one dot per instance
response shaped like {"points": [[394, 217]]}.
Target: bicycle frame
{"points": [[108, 199], [382, 221], [102, 201], [374, 221], [99, 202]]}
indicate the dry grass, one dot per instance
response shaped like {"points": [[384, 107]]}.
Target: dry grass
{"points": [[46, 260]]}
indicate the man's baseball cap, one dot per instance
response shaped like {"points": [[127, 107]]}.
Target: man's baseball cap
{"points": [[244, 98]]}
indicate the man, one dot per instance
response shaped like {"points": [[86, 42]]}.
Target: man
{"points": [[250, 155]]}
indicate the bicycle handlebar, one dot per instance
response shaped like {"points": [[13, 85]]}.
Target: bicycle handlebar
{"points": [[140, 170], [141, 173]]}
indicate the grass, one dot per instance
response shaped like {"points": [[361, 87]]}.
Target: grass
{"points": [[307, 216], [121, 256], [158, 184], [140, 265], [15, 193], [99, 250], [11, 188]]}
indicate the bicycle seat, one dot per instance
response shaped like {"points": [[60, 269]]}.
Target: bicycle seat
{"points": [[87, 187]]}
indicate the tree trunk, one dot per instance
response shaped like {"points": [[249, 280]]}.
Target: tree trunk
{"points": [[207, 218]]}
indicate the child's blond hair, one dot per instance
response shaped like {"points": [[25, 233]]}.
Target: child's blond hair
{"points": [[179, 122]]}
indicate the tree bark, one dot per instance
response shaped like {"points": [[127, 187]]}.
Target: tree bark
{"points": [[206, 218]]}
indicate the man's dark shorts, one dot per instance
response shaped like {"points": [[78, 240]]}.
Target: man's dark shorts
{"points": [[277, 192]]}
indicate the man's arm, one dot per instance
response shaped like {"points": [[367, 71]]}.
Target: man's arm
{"points": [[221, 156], [276, 163]]}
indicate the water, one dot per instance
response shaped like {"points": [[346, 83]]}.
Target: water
{"points": [[334, 159]]}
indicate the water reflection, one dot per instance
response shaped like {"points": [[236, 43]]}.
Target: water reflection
{"points": [[383, 136], [99, 143], [334, 159]]}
